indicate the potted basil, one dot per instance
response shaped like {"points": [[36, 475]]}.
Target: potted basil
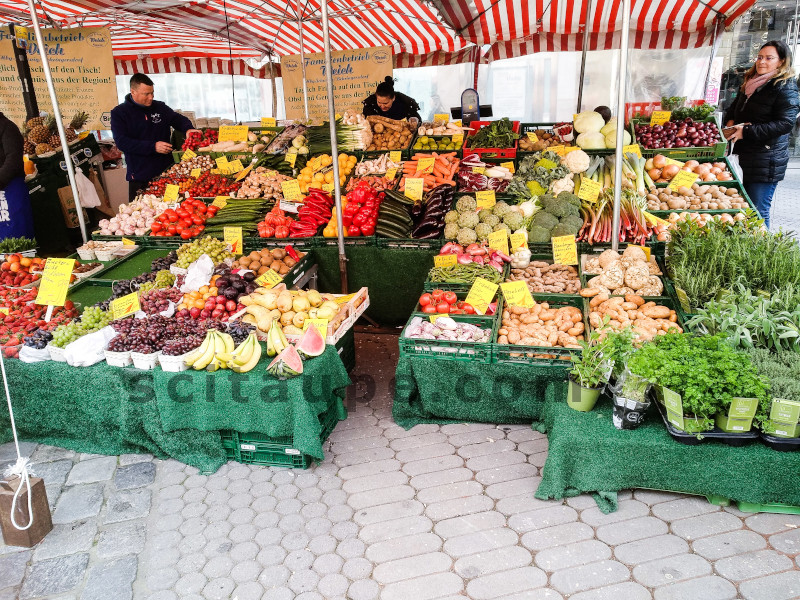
{"points": [[590, 371]]}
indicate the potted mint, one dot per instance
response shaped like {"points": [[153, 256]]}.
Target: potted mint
{"points": [[590, 371]]}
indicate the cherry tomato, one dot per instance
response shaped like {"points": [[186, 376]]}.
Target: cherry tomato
{"points": [[425, 299]]}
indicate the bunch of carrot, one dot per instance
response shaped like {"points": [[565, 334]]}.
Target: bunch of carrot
{"points": [[445, 169]]}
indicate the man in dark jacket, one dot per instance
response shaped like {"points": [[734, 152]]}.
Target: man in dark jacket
{"points": [[142, 129]]}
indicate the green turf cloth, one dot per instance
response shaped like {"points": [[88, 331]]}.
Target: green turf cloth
{"points": [[254, 401], [586, 453], [395, 278], [429, 390]]}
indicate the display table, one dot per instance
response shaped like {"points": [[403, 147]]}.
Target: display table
{"points": [[108, 410], [587, 454]]}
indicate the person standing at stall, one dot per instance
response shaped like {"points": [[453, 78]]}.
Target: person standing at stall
{"points": [[16, 214], [142, 128], [759, 121], [385, 102]]}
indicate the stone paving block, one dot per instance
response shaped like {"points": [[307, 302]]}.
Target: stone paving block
{"points": [[525, 503], [534, 446], [357, 568], [462, 428], [620, 591], [441, 493], [783, 586], [651, 548], [358, 445], [12, 568], [356, 423], [652, 497], [92, 471], [127, 505], [516, 487], [671, 569], [364, 589], [484, 448], [363, 456], [632, 530], [403, 547], [418, 441], [54, 576], [592, 575], [135, 475], [581, 502], [433, 465], [387, 512], [426, 452], [365, 469], [684, 508], [702, 588], [130, 459], [480, 541], [69, 538], [476, 437], [704, 525], [787, 542], [437, 478], [412, 567], [53, 472], [458, 507], [385, 530], [506, 473], [491, 461], [539, 459], [485, 563], [383, 495], [505, 583], [120, 539], [345, 435], [769, 523], [572, 555], [423, 588], [469, 524], [351, 548], [525, 434], [556, 536], [729, 544], [78, 503], [542, 518], [628, 509], [8, 451], [374, 482], [753, 564], [395, 431], [111, 580], [44, 453]]}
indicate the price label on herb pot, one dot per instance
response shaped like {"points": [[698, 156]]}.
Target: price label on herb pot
{"points": [[458, 139], [196, 173], [233, 133], [509, 165], [674, 405], [55, 281], [485, 199], [632, 148], [233, 238], [425, 165], [532, 136], [127, 242], [659, 117], [235, 166], [516, 293], [268, 122], [783, 411], [481, 295], [518, 241], [220, 201], [565, 250], [222, 162], [188, 155], [320, 324], [743, 408], [644, 249], [171, 193], [391, 174], [291, 159], [395, 156], [269, 279], [445, 260], [442, 118], [479, 170], [414, 187], [589, 190], [124, 306], [682, 179], [498, 240], [291, 190]]}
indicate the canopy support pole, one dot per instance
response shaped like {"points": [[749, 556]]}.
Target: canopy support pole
{"points": [[57, 115], [274, 88], [337, 189], [303, 59], [586, 33], [622, 81], [714, 45]]}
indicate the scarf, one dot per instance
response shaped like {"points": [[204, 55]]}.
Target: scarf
{"points": [[752, 84]]}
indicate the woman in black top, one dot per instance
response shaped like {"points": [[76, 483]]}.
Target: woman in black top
{"points": [[760, 119], [16, 216], [385, 102]]}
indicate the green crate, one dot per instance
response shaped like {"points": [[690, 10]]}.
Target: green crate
{"points": [[323, 242], [770, 507], [548, 257], [459, 151], [257, 243], [458, 287], [409, 243], [672, 291], [683, 154], [727, 184], [177, 154], [256, 448], [668, 301], [87, 292], [451, 350]]}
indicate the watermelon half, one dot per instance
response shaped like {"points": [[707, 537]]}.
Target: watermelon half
{"points": [[287, 364], [311, 344]]}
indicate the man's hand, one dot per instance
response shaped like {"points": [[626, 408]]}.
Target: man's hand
{"points": [[163, 147]]}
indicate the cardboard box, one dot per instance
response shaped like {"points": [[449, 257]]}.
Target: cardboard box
{"points": [[105, 205], [42, 521], [68, 208]]}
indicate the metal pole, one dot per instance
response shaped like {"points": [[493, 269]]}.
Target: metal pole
{"points": [[57, 115], [794, 51], [586, 33], [622, 81], [303, 59], [334, 147], [274, 88], [714, 45]]}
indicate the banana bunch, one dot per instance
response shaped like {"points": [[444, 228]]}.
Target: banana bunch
{"points": [[205, 357], [276, 341], [244, 357]]}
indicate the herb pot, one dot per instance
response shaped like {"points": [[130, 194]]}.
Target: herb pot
{"points": [[693, 424], [783, 430], [582, 398], [730, 424], [628, 414]]}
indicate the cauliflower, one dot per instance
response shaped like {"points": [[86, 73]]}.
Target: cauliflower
{"points": [[451, 216], [545, 220], [485, 212], [563, 185], [451, 231], [538, 235], [466, 204], [513, 219], [576, 161], [500, 208], [492, 220], [466, 236], [468, 220], [483, 230]]}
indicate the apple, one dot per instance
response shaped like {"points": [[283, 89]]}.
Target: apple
{"points": [[220, 299], [230, 306], [205, 313], [194, 312], [210, 304]]}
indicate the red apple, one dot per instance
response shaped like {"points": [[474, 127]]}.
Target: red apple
{"points": [[194, 312], [230, 306], [220, 299]]}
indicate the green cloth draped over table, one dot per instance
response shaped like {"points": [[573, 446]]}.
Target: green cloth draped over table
{"points": [[109, 410]]}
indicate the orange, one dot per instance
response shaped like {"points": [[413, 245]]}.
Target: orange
{"points": [[25, 261], [14, 267], [203, 289], [199, 303]]}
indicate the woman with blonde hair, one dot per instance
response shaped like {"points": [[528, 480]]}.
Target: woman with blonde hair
{"points": [[760, 120]]}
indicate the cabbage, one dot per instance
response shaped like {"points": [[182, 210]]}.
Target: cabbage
{"points": [[610, 126], [593, 140], [587, 121], [611, 139]]}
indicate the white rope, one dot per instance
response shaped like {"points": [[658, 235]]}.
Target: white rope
{"points": [[20, 468]]}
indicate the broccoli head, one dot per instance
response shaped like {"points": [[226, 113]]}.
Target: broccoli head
{"points": [[562, 207], [563, 229], [466, 236], [573, 222], [466, 204], [492, 220], [538, 235], [545, 220], [485, 212], [451, 216], [571, 198], [483, 230], [500, 208], [451, 231], [513, 219], [468, 220]]}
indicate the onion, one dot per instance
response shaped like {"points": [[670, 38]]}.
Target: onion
{"points": [[659, 161], [654, 174], [670, 171]]}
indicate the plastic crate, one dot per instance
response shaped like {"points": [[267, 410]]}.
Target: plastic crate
{"points": [[324, 242], [727, 184], [548, 257], [694, 152], [505, 153], [409, 243], [260, 449], [458, 287], [451, 350]]}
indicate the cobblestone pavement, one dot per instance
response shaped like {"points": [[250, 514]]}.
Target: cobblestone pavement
{"points": [[786, 204], [432, 513]]}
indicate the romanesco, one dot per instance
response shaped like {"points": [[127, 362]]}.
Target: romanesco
{"points": [[466, 204]]}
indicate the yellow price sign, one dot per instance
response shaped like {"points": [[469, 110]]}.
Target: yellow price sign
{"points": [[55, 281], [291, 159], [4, 310], [171, 193], [682, 179], [634, 148], [414, 187], [672, 161], [509, 165], [391, 173], [659, 117], [589, 190], [127, 242], [327, 187], [644, 249], [316, 163], [233, 133], [269, 122], [445, 260], [395, 156], [458, 139], [532, 136], [433, 318], [485, 199], [442, 118], [196, 173], [425, 165], [233, 238], [291, 190], [518, 241], [220, 201], [481, 294], [222, 162], [124, 306], [560, 150], [188, 155], [242, 174], [565, 250], [498, 240], [568, 149], [235, 166], [269, 279], [516, 293], [479, 170], [457, 123], [320, 324]]}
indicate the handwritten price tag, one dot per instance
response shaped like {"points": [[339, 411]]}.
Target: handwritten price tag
{"points": [[445, 260], [672, 161], [395, 156], [442, 117], [316, 163], [233, 133], [644, 249], [432, 318], [517, 293], [458, 140], [565, 250], [425, 165], [268, 122], [196, 173], [291, 190], [391, 174], [557, 149], [485, 199], [509, 165], [589, 190], [291, 159], [220, 201], [659, 117], [320, 324], [171, 193], [518, 241], [222, 162], [481, 295], [235, 166], [233, 238], [269, 279], [188, 155], [124, 306], [682, 179], [55, 281], [532, 137], [498, 240], [479, 170], [414, 187], [634, 148]]}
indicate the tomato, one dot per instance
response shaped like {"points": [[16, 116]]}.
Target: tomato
{"points": [[425, 299], [450, 297], [282, 231], [468, 309], [437, 294], [198, 220], [172, 218], [430, 309], [202, 208], [443, 307], [172, 230], [179, 228], [156, 227], [186, 234]]}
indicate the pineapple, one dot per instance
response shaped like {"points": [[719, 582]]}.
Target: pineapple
{"points": [[78, 121], [54, 141], [43, 149], [40, 134], [29, 148], [34, 123]]}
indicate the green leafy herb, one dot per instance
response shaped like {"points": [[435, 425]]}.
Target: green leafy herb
{"points": [[497, 134]]}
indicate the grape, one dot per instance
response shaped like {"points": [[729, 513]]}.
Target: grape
{"points": [[158, 300], [188, 253], [93, 319], [239, 330], [38, 339], [161, 264]]}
